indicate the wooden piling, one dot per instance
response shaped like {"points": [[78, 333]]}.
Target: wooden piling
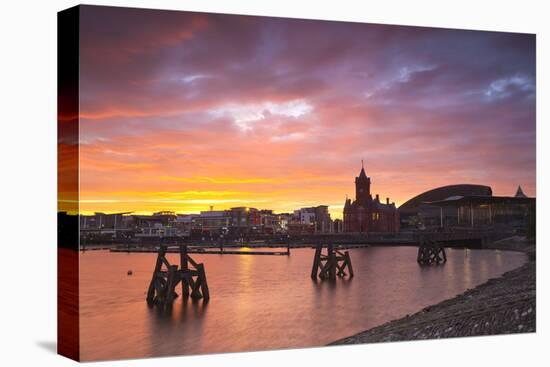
{"points": [[431, 253], [184, 265], [162, 289], [348, 263], [153, 284], [203, 282], [316, 261], [333, 264]]}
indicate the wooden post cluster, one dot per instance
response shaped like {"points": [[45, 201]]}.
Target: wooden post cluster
{"points": [[332, 264], [430, 252], [166, 277]]}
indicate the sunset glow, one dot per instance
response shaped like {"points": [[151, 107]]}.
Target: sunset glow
{"points": [[183, 111]]}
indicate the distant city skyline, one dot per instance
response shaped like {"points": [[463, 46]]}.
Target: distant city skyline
{"points": [[183, 111]]}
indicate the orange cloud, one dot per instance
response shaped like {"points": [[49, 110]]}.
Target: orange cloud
{"points": [[180, 111]]}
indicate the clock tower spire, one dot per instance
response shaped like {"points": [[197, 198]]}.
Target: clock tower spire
{"points": [[362, 186]]}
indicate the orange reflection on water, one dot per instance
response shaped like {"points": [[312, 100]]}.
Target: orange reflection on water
{"points": [[264, 302]]}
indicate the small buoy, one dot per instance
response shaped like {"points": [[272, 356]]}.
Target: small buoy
{"points": [[130, 272]]}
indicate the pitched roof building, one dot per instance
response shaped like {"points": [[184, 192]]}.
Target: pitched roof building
{"points": [[366, 214], [519, 193]]}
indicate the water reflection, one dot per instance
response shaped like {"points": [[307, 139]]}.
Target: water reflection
{"points": [[265, 302], [180, 311], [467, 278]]}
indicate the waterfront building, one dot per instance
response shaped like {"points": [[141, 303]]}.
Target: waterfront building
{"points": [[106, 226], [156, 231], [186, 222], [338, 226], [496, 213], [243, 217], [416, 213], [317, 217], [283, 219], [105, 221], [269, 221], [519, 193], [213, 220], [472, 207], [367, 214], [165, 217], [146, 221], [297, 228], [304, 216], [323, 222]]}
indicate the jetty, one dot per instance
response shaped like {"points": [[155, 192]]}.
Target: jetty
{"points": [[201, 251]]}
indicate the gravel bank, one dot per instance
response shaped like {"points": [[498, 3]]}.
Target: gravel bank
{"points": [[502, 305]]}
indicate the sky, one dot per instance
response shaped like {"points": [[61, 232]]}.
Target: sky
{"points": [[182, 111]]}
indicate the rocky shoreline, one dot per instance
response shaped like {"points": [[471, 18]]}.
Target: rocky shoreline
{"points": [[502, 305]]}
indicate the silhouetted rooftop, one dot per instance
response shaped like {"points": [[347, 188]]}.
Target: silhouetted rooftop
{"points": [[444, 192]]}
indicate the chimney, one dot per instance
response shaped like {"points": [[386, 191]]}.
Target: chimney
{"points": [[377, 198], [211, 207], [388, 201]]}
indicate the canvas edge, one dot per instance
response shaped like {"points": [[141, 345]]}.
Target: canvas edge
{"points": [[68, 330]]}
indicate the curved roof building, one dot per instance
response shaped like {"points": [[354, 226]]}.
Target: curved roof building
{"points": [[444, 192]]}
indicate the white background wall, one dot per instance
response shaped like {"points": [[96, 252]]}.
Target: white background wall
{"points": [[28, 171]]}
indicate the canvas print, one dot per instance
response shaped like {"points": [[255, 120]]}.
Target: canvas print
{"points": [[234, 183]]}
